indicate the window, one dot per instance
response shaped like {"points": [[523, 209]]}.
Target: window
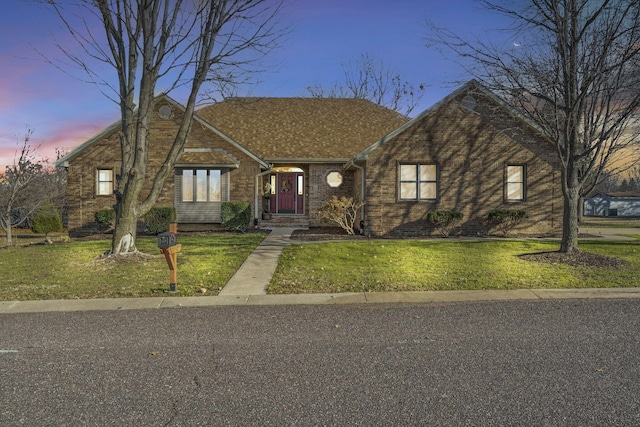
{"points": [[201, 185], [272, 181], [418, 182], [334, 179], [515, 185], [104, 182]]}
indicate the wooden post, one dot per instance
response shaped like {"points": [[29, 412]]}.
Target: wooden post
{"points": [[171, 255]]}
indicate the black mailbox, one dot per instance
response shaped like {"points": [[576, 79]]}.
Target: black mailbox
{"points": [[166, 239]]}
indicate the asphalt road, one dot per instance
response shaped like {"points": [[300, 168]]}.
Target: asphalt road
{"points": [[566, 362]]}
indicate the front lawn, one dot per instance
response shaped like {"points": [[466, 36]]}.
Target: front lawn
{"points": [[421, 265], [74, 270]]}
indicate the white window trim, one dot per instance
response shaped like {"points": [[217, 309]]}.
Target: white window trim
{"points": [[333, 182], [98, 182], [522, 184], [207, 181]]}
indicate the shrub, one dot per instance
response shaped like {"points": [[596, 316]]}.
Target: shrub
{"points": [[445, 221], [106, 218], [157, 220], [47, 219], [506, 220], [343, 211], [236, 216]]}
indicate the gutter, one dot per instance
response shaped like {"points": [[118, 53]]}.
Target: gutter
{"points": [[256, 187]]}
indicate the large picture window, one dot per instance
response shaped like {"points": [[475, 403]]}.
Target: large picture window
{"points": [[104, 182], [418, 181], [201, 185], [516, 183]]}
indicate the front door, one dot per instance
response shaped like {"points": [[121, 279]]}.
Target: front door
{"points": [[289, 193], [286, 193]]}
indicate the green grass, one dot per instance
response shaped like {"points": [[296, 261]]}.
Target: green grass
{"points": [[422, 265], [73, 270], [633, 236]]}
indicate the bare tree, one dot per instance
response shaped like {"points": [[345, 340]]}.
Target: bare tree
{"points": [[572, 70], [190, 42], [368, 78], [23, 187]]}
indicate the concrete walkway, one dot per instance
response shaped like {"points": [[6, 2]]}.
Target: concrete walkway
{"points": [[117, 304], [254, 275], [609, 233]]}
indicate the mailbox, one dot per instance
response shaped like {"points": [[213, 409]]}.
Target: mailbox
{"points": [[166, 239]]}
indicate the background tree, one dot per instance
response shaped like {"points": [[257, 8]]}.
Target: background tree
{"points": [[630, 182], [368, 78], [572, 70], [24, 186], [185, 42]]}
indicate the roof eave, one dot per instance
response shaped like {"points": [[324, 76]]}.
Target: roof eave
{"points": [[207, 165], [307, 160], [64, 160]]}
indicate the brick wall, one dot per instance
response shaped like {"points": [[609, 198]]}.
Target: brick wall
{"points": [[105, 154], [471, 149], [320, 192]]}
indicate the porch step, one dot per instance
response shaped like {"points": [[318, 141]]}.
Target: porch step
{"points": [[279, 220]]}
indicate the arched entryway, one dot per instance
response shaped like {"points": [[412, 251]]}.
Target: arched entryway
{"points": [[287, 191]]}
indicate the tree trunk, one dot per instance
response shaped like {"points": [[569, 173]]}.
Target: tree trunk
{"points": [[127, 213], [580, 210], [124, 234], [9, 236], [570, 221]]}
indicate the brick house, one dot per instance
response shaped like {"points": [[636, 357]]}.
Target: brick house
{"points": [[469, 152]]}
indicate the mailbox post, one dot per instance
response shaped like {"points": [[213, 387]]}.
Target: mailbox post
{"points": [[167, 243]]}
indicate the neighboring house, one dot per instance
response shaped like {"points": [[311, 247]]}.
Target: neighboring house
{"points": [[613, 204], [470, 152]]}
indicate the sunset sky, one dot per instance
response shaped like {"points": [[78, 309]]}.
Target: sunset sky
{"points": [[64, 111]]}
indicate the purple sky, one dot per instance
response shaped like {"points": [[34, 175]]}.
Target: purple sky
{"points": [[64, 111]]}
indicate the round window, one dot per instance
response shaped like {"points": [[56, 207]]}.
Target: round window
{"points": [[334, 179], [165, 112]]}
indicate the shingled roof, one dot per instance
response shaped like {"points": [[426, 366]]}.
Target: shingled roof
{"points": [[302, 129]]}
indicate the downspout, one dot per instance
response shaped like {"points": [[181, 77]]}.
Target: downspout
{"points": [[257, 194], [352, 163]]}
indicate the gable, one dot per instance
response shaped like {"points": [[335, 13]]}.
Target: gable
{"points": [[303, 129], [483, 108], [166, 124]]}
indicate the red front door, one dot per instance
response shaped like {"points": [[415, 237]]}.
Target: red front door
{"points": [[286, 192]]}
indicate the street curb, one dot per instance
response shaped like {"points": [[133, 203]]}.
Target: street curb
{"points": [[115, 304]]}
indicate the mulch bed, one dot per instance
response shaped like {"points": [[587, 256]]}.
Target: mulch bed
{"points": [[315, 234], [575, 259]]}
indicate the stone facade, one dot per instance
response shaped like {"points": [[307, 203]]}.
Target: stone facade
{"points": [[471, 148]]}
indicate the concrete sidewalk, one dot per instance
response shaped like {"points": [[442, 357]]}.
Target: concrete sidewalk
{"points": [[609, 233], [255, 273], [12, 307]]}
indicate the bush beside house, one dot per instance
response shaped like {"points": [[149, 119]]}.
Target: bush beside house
{"points": [[236, 216]]}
